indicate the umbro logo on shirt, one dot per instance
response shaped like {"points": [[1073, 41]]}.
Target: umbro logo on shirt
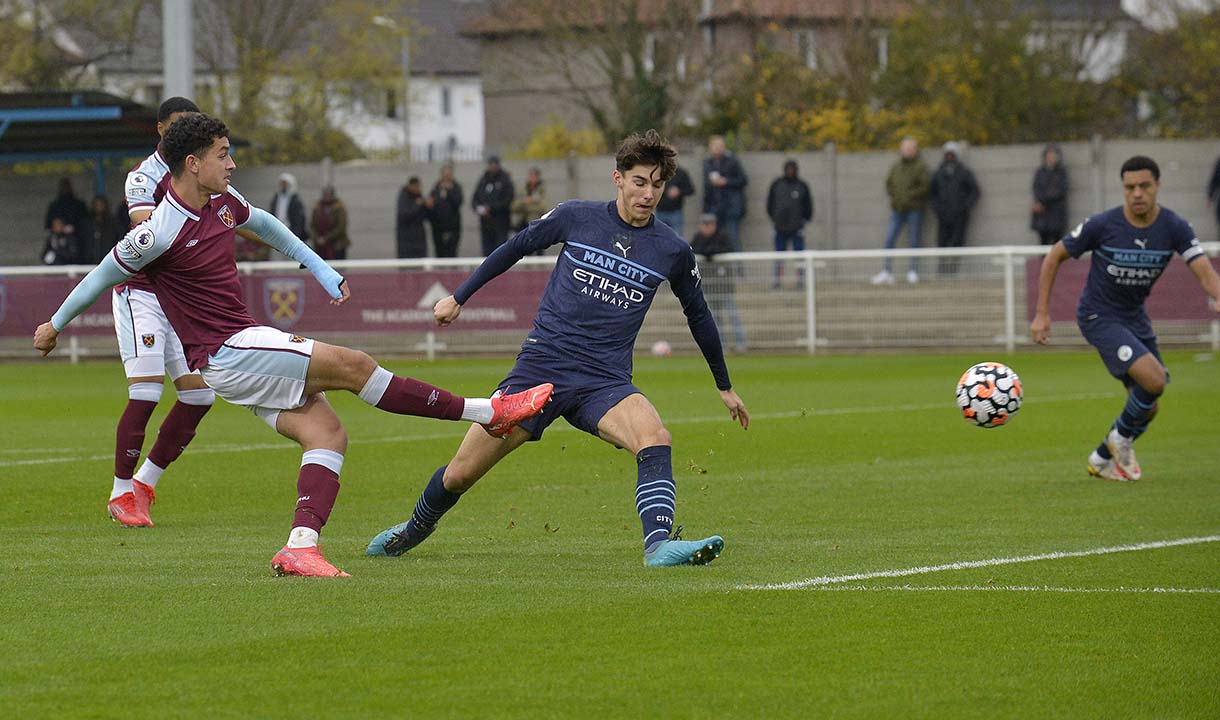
{"points": [[193, 243]]}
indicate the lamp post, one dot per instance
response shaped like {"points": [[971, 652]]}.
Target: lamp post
{"points": [[405, 53]]}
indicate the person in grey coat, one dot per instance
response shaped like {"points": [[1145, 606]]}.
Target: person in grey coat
{"points": [[1049, 216]]}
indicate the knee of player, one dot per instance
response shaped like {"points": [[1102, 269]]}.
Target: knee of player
{"points": [[459, 477], [659, 436]]}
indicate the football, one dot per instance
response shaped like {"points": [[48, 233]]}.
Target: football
{"points": [[989, 394], [661, 348]]}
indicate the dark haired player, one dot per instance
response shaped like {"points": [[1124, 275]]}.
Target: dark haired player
{"points": [[615, 257], [186, 248], [1131, 246]]}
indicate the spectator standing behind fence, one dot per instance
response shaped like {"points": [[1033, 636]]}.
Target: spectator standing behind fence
{"points": [[790, 207], [1213, 192], [103, 228], [328, 226], [1049, 214], [724, 183], [954, 193], [62, 247], [67, 207], [492, 202], [444, 205], [719, 278], [531, 204], [411, 237], [287, 206], [669, 207], [907, 185]]}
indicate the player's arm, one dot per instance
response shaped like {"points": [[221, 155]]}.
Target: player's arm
{"points": [[686, 286], [538, 235], [1202, 268], [136, 250], [1040, 328], [268, 229]]}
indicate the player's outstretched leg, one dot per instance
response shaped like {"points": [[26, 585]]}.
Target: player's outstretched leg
{"points": [[654, 500], [333, 367], [176, 432], [129, 441]]}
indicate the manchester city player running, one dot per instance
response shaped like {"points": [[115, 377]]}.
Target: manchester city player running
{"points": [[186, 248], [615, 257], [1131, 246]]}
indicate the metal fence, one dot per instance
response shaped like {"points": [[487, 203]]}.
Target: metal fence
{"points": [[764, 302]]}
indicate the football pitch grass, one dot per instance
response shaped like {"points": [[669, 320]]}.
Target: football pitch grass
{"points": [[916, 566]]}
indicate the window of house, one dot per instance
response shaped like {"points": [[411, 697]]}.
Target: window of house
{"points": [[807, 48], [391, 104], [650, 52]]}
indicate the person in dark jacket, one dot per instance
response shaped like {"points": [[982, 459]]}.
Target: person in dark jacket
{"points": [[287, 206], [724, 182], [493, 202], [719, 278], [790, 206], [669, 207], [954, 193], [1213, 191], [67, 207], [1049, 216], [445, 213], [412, 239], [104, 230], [328, 226]]}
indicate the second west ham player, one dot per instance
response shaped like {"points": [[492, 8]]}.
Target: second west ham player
{"points": [[187, 248], [615, 257], [150, 348], [1131, 246]]}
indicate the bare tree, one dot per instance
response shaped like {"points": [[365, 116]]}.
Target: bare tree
{"points": [[52, 44], [629, 64]]}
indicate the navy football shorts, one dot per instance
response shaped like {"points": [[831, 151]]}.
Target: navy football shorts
{"points": [[1118, 346], [579, 399]]}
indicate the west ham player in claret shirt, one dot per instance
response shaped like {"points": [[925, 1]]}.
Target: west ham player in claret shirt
{"points": [[186, 249], [615, 257], [1131, 246]]}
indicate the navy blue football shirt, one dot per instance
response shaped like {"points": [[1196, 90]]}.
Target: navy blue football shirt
{"points": [[604, 281], [1127, 260]]}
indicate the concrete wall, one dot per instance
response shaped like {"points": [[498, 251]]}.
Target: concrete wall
{"points": [[851, 209]]}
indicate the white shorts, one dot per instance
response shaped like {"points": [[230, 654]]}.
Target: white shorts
{"points": [[261, 368], [148, 344]]}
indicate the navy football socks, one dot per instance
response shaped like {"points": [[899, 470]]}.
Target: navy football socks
{"points": [[654, 493]]}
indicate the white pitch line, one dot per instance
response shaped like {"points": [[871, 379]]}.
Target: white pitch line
{"points": [[968, 564], [216, 449], [1011, 588]]}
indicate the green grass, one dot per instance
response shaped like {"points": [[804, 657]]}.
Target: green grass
{"points": [[531, 599]]}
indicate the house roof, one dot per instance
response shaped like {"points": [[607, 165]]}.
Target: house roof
{"points": [[506, 16], [509, 17]]}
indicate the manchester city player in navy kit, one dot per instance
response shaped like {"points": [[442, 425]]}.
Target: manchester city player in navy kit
{"points": [[615, 257], [1131, 246]]}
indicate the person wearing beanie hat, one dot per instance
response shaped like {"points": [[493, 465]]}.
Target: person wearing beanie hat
{"points": [[954, 192]]}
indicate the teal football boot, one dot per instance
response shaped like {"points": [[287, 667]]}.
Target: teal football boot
{"points": [[675, 551]]}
